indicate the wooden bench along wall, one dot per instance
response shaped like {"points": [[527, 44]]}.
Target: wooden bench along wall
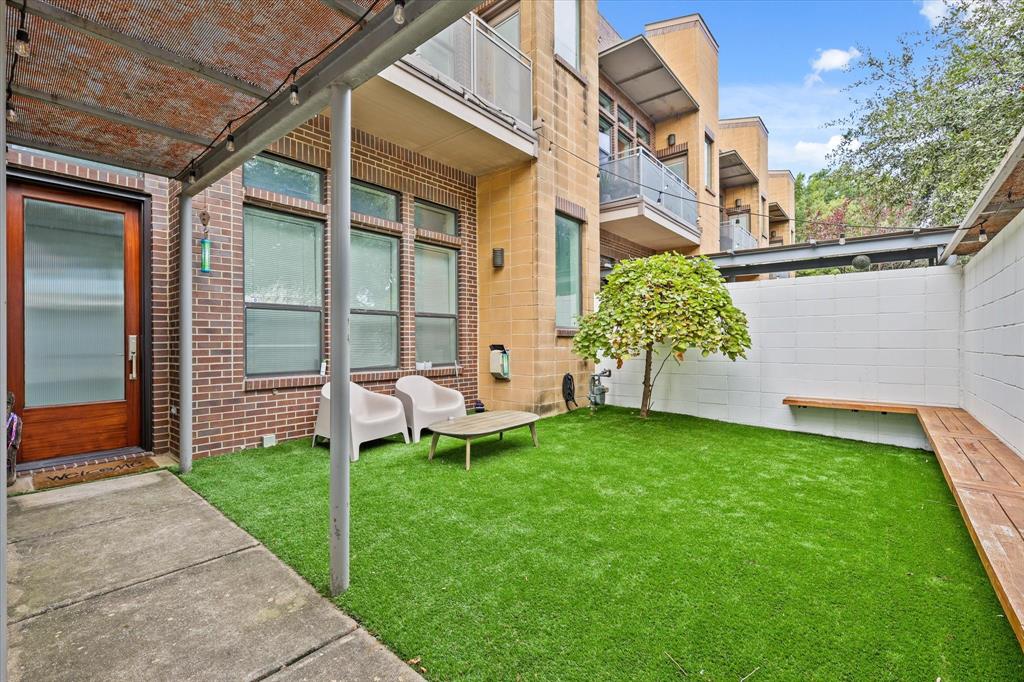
{"points": [[987, 480]]}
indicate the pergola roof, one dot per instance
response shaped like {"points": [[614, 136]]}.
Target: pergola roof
{"points": [[148, 84], [1000, 201]]}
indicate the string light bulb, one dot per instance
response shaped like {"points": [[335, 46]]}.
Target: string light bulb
{"points": [[399, 14], [842, 238], [192, 175], [293, 96], [21, 43], [230, 145], [12, 113], [982, 235]]}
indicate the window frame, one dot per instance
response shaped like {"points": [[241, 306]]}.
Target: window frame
{"points": [[576, 60], [395, 193], [610, 132], [579, 275], [288, 161], [602, 95], [434, 204], [619, 137], [447, 316], [247, 305], [396, 313], [643, 135], [620, 114], [709, 169]]}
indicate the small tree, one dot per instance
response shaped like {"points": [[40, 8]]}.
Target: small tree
{"points": [[664, 299]]}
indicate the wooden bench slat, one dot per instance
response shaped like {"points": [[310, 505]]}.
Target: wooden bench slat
{"points": [[954, 460], [1013, 462], [989, 467]]}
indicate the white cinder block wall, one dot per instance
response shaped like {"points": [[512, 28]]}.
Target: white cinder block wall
{"points": [[891, 336], [992, 357]]}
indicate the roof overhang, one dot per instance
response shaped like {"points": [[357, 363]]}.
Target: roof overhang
{"points": [[887, 248], [638, 70], [150, 86], [1000, 201], [776, 212], [733, 171]]}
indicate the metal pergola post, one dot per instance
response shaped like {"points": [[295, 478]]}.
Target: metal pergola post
{"points": [[185, 336], [341, 228]]}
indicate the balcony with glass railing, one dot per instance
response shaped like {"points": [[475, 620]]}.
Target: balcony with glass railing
{"points": [[463, 97], [471, 55], [645, 202], [733, 236]]}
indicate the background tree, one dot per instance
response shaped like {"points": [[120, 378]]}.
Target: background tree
{"points": [[663, 299], [933, 118]]}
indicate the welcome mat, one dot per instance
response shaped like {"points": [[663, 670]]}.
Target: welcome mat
{"points": [[41, 480]]}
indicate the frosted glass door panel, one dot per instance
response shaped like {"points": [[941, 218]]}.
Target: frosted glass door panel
{"points": [[74, 304]]}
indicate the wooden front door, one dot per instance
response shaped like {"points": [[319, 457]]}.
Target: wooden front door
{"points": [[74, 320]]}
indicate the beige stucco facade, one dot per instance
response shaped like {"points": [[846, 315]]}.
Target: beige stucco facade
{"points": [[516, 212], [691, 52], [749, 137], [782, 190]]}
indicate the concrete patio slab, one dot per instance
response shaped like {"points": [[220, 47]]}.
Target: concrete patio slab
{"points": [[168, 590], [46, 571], [75, 506], [240, 617], [356, 656]]}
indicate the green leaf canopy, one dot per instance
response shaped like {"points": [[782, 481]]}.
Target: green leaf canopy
{"points": [[667, 298]]}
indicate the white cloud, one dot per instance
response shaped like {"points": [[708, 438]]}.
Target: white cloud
{"points": [[794, 115], [934, 11], [831, 59], [816, 153]]}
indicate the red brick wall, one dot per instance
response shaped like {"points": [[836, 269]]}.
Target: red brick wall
{"points": [[619, 248], [232, 411]]}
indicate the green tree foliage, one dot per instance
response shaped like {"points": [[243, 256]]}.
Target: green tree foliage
{"points": [[935, 117], [662, 299], [830, 203]]}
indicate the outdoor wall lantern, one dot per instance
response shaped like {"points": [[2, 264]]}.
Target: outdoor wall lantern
{"points": [[204, 243], [498, 257]]}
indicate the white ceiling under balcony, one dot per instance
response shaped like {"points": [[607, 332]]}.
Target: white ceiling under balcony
{"points": [[403, 106]]}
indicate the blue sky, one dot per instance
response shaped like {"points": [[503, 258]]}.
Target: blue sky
{"points": [[783, 60]]}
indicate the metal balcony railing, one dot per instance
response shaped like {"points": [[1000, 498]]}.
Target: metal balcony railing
{"points": [[734, 237], [638, 173], [472, 55]]}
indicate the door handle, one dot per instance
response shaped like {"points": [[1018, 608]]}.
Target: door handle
{"points": [[133, 353]]}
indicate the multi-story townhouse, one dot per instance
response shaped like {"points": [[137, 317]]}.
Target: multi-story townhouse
{"points": [[496, 171], [781, 208]]}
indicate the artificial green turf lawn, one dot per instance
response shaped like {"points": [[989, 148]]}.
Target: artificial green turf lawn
{"points": [[619, 540]]}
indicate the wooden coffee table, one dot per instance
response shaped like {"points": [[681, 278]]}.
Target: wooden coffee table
{"points": [[484, 424]]}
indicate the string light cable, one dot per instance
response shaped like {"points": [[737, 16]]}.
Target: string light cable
{"points": [[21, 51], [293, 93]]}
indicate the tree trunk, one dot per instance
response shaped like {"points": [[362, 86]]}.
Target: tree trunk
{"points": [[645, 402]]}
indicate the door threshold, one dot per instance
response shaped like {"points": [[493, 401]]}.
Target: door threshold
{"points": [[71, 460]]}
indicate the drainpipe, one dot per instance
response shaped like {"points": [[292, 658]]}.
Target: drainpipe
{"points": [[185, 337], [341, 228]]}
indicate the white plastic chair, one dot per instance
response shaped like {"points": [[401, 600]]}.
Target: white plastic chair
{"points": [[427, 403], [373, 415]]}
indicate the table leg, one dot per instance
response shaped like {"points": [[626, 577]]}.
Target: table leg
{"points": [[468, 441], [433, 446], [501, 435], [533, 432]]}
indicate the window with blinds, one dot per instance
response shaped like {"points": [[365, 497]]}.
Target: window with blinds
{"points": [[568, 275], [283, 293], [374, 301], [437, 304]]}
